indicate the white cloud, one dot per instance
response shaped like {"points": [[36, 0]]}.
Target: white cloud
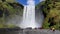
{"points": [[41, 0]]}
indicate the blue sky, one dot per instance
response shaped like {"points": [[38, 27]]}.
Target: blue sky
{"points": [[24, 2]]}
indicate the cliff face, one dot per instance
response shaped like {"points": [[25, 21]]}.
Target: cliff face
{"points": [[9, 9], [51, 11]]}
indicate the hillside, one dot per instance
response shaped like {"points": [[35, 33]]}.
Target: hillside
{"points": [[9, 10], [51, 11]]}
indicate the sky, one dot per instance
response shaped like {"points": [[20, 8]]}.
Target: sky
{"points": [[24, 2]]}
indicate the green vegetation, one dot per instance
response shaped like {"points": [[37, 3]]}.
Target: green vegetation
{"points": [[51, 11], [8, 9]]}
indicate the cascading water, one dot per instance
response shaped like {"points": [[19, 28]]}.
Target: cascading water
{"points": [[29, 15]]}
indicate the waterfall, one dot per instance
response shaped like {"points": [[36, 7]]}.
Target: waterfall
{"points": [[29, 15]]}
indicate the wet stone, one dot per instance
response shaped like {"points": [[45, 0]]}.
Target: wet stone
{"points": [[30, 31]]}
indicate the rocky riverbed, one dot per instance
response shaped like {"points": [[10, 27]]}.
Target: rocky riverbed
{"points": [[27, 31]]}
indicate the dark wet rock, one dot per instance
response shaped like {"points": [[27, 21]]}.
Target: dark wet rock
{"points": [[11, 29], [28, 28]]}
